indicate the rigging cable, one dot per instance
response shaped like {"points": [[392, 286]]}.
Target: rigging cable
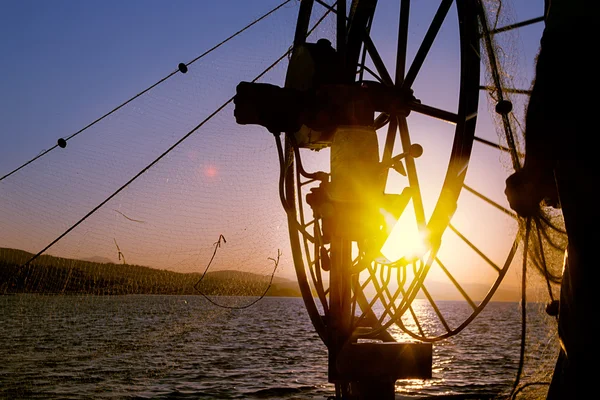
{"points": [[523, 310], [219, 109], [182, 68]]}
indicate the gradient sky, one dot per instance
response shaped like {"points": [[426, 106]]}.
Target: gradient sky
{"points": [[66, 63]]}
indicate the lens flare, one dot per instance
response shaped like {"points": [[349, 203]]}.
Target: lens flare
{"points": [[404, 240]]}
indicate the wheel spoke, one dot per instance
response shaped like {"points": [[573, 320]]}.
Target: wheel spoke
{"points": [[363, 68], [456, 284], [385, 280], [494, 145], [417, 322], [430, 36], [398, 318], [474, 248], [309, 223], [517, 25], [303, 22], [408, 298], [368, 316], [382, 290], [363, 57], [362, 13], [402, 42], [369, 306], [377, 61], [436, 309], [490, 201], [434, 112], [373, 299], [395, 315]]}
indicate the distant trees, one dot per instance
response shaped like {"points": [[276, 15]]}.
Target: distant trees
{"points": [[48, 274]]}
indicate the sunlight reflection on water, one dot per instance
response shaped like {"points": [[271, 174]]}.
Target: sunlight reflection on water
{"points": [[175, 346]]}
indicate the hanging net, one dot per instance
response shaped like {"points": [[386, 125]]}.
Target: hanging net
{"points": [[142, 245]]}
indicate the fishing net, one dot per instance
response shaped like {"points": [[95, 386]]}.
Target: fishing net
{"points": [[167, 195], [148, 198], [543, 237]]}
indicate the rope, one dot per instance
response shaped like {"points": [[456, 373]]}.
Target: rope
{"points": [[523, 311], [217, 245], [284, 55], [180, 69]]}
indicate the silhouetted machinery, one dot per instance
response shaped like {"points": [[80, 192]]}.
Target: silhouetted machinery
{"points": [[317, 109], [358, 281]]}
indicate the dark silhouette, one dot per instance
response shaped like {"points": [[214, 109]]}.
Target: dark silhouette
{"points": [[560, 166], [57, 275]]}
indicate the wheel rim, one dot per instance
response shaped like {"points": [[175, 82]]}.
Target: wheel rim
{"points": [[386, 307]]}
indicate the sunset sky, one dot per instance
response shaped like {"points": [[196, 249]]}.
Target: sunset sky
{"points": [[65, 63]]}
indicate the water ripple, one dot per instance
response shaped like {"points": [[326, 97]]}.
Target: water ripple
{"points": [[160, 347]]}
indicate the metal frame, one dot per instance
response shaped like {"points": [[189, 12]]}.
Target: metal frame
{"points": [[338, 303]]}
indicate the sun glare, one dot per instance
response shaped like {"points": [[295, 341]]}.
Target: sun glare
{"points": [[404, 240]]}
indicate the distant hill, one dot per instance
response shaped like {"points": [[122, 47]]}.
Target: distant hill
{"points": [[99, 260], [97, 275]]}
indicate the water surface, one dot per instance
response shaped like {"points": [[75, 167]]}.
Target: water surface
{"points": [[184, 347]]}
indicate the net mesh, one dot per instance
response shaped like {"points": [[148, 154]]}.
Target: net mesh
{"points": [[148, 198], [168, 195]]}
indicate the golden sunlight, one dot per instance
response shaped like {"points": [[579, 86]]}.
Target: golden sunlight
{"points": [[404, 240]]}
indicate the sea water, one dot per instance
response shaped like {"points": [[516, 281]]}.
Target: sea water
{"points": [[185, 347]]}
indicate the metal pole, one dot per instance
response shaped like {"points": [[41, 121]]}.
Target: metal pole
{"points": [[340, 323]]}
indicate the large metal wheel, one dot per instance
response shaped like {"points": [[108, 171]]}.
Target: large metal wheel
{"points": [[383, 292]]}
